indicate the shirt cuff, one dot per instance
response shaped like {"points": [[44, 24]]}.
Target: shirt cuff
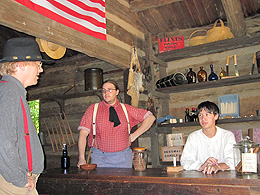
{"points": [[147, 114], [84, 128]]}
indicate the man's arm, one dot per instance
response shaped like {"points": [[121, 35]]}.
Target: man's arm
{"points": [[82, 142], [189, 156], [146, 124]]}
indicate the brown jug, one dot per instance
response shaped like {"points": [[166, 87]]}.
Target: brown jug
{"points": [[202, 75]]}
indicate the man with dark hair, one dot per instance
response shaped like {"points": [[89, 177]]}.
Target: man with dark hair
{"points": [[112, 134], [209, 149], [21, 154]]}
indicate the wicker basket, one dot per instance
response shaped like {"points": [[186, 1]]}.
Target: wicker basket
{"points": [[218, 33], [198, 40]]}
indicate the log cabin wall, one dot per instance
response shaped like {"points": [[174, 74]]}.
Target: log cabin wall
{"points": [[125, 29]]}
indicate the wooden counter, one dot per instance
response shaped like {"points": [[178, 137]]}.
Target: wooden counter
{"points": [[152, 181]]}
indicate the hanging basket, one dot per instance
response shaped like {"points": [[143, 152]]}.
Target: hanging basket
{"points": [[198, 40], [218, 33]]}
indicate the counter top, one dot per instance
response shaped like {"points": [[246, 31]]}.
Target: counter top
{"points": [[153, 180]]}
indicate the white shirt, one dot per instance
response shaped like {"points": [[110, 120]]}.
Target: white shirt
{"points": [[199, 148]]}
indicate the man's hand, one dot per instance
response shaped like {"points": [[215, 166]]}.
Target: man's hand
{"points": [[209, 162], [132, 138], [211, 169], [31, 182], [81, 162]]}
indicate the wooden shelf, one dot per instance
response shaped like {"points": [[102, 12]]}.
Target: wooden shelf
{"points": [[211, 84], [220, 121], [210, 48]]}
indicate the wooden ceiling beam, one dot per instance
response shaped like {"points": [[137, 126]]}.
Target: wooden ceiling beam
{"points": [[235, 17], [141, 5]]}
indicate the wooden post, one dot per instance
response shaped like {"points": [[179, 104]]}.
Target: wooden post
{"points": [[151, 89], [235, 17]]}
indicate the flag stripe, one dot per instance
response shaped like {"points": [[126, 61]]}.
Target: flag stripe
{"points": [[101, 2], [95, 7], [87, 16], [69, 13]]}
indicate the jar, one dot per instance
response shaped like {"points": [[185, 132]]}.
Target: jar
{"points": [[139, 158], [202, 75], [246, 156]]}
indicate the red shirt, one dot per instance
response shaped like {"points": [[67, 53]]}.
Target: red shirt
{"points": [[108, 137]]}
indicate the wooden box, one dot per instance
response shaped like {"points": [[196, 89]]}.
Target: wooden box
{"points": [[228, 106]]}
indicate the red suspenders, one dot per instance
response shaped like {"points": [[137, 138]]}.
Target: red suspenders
{"points": [[27, 137]]}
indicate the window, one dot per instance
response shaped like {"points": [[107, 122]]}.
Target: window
{"points": [[35, 108]]}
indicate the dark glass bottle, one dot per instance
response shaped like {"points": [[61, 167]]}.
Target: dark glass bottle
{"points": [[187, 115], [202, 75], [191, 76], [65, 159], [194, 116], [212, 75]]}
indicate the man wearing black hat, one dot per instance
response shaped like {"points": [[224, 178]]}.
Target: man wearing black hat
{"points": [[21, 154]]}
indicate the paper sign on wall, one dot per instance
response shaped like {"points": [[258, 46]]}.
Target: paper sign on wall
{"points": [[176, 139], [168, 152], [170, 43]]}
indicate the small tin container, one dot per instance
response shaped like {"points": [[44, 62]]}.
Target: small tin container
{"points": [[246, 156], [139, 158]]}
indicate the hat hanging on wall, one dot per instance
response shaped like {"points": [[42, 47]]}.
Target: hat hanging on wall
{"points": [[53, 50], [39, 43]]}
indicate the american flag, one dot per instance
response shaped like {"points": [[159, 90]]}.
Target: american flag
{"points": [[86, 16]]}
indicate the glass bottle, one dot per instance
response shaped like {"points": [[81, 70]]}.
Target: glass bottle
{"points": [[191, 76], [65, 159], [212, 75], [194, 116], [187, 115], [202, 75], [222, 73]]}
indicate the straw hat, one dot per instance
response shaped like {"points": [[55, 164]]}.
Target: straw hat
{"points": [[22, 49], [39, 43], [53, 50]]}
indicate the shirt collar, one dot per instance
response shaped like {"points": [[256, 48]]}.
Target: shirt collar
{"points": [[12, 79], [115, 105]]}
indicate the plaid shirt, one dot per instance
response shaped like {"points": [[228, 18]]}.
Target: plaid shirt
{"points": [[108, 137]]}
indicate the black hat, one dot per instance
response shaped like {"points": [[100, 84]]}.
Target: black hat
{"points": [[22, 49]]}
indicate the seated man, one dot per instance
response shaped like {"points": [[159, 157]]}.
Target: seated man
{"points": [[209, 149]]}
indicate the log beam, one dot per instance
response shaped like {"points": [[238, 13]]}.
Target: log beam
{"points": [[235, 17], [141, 5]]}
